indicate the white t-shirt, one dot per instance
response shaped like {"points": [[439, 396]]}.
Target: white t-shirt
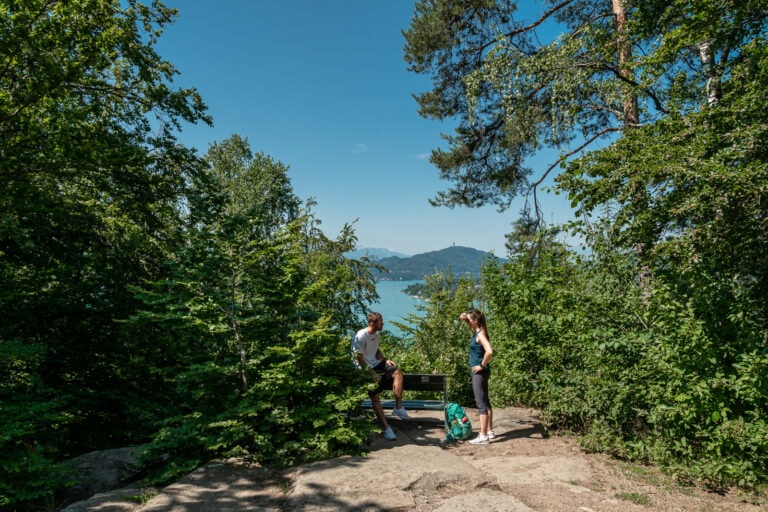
{"points": [[366, 344]]}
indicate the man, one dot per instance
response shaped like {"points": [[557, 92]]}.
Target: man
{"points": [[367, 354]]}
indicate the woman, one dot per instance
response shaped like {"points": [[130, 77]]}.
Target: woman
{"points": [[480, 353]]}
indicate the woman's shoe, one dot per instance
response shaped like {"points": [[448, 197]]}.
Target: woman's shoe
{"points": [[480, 439]]}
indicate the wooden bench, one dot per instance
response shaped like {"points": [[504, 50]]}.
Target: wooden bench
{"points": [[436, 382]]}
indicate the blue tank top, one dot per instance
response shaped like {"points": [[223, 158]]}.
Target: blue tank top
{"points": [[476, 353]]}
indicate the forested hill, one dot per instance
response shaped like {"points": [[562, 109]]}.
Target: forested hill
{"points": [[459, 260]]}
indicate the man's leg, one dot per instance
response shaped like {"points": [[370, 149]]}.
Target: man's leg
{"points": [[379, 410], [397, 388], [376, 403]]}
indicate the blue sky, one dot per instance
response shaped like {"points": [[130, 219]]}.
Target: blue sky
{"points": [[322, 87]]}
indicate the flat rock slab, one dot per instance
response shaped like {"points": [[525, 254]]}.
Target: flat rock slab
{"points": [[221, 487], [484, 500], [385, 480], [126, 499], [555, 470], [522, 470]]}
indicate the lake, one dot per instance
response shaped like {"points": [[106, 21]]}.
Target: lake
{"points": [[394, 304]]}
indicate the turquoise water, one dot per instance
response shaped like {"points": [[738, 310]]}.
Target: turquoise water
{"points": [[394, 304]]}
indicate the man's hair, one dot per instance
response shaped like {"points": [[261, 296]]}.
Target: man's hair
{"points": [[373, 316]]}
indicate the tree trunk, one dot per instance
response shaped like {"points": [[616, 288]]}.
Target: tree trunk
{"points": [[624, 51], [713, 83]]}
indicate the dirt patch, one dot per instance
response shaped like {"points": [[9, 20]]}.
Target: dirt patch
{"points": [[552, 473]]}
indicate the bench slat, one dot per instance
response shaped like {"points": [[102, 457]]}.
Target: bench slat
{"points": [[424, 382], [410, 405], [420, 382]]}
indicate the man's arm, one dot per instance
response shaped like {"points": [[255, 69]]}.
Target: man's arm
{"points": [[360, 358], [381, 357]]}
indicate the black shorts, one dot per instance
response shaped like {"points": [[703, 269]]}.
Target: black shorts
{"points": [[386, 381]]}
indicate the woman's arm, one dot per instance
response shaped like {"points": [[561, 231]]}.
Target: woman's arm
{"points": [[482, 337]]}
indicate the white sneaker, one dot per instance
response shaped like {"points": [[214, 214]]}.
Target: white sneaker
{"points": [[401, 413], [480, 439], [389, 434], [491, 435]]}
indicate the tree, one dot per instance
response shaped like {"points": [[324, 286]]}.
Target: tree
{"points": [[704, 179], [263, 300], [91, 179], [691, 190], [258, 203], [516, 90], [702, 220], [654, 344], [527, 238]]}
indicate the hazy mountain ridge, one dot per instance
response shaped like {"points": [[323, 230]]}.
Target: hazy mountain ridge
{"points": [[375, 253], [460, 260]]}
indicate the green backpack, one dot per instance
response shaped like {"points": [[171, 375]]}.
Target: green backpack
{"points": [[457, 423]]}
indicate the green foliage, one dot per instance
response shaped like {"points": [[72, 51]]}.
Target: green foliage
{"points": [[142, 286], [91, 177], [653, 343], [313, 396], [637, 374], [562, 77], [634, 497], [30, 469], [515, 90], [690, 194], [264, 301], [653, 346], [304, 407], [195, 307]]}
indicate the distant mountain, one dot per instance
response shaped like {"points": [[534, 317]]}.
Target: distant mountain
{"points": [[460, 261], [375, 253]]}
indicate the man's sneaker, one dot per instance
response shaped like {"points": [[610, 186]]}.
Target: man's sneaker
{"points": [[389, 434], [491, 435], [401, 413], [480, 439]]}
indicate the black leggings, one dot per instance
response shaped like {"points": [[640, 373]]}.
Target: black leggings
{"points": [[480, 388]]}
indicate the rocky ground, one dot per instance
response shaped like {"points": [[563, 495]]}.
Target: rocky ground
{"points": [[520, 471]]}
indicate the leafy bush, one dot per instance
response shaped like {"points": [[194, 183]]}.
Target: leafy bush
{"points": [[640, 375]]}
